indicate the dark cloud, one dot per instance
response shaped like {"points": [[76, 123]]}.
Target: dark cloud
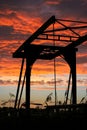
{"points": [[43, 8], [20, 2], [82, 60], [71, 8], [28, 6], [82, 82], [8, 82], [5, 32], [82, 54], [58, 82], [38, 82], [8, 33]]}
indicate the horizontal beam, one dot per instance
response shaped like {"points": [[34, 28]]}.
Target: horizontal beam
{"points": [[57, 37], [41, 49]]}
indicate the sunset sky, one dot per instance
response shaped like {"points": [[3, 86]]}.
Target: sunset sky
{"points": [[19, 19]]}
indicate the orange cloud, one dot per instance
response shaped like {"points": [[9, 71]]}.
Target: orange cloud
{"points": [[23, 24]]}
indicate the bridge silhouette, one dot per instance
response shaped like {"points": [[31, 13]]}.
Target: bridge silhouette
{"points": [[51, 31]]}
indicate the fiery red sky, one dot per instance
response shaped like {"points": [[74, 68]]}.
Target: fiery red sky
{"points": [[19, 19]]}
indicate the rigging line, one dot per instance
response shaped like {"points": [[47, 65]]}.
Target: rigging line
{"points": [[68, 28], [54, 69], [67, 20]]}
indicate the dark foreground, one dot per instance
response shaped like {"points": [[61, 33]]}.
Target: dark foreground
{"points": [[42, 119]]}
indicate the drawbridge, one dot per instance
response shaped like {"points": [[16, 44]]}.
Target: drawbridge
{"points": [[52, 30]]}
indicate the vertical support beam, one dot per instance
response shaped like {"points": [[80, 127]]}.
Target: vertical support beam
{"points": [[31, 55], [73, 71], [28, 75], [70, 57]]}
